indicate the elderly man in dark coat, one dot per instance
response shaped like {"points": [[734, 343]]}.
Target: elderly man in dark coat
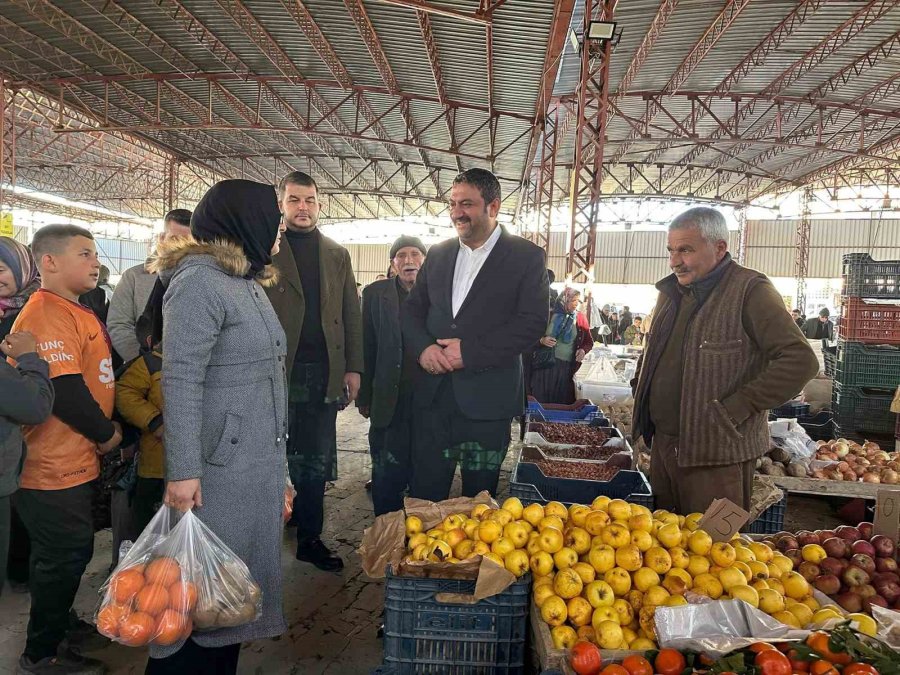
{"points": [[385, 396]]}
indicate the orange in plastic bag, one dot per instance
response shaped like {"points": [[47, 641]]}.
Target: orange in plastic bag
{"points": [[177, 578]]}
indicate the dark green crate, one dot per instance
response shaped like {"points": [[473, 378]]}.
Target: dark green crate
{"points": [[863, 410], [862, 365]]}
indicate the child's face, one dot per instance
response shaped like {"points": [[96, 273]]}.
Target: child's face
{"points": [[76, 267]]}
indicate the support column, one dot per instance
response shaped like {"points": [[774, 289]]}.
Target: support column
{"points": [[7, 138], [546, 178], [801, 266], [170, 198], [590, 137]]}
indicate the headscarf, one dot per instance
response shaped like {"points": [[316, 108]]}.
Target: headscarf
{"points": [[17, 257], [242, 212], [563, 323]]}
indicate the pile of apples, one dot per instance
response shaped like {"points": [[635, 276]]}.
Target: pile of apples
{"points": [[853, 566], [853, 462], [601, 570]]}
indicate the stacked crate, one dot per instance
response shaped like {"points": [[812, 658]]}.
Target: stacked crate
{"points": [[867, 363]]}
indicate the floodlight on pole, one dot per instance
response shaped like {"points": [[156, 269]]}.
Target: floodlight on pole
{"points": [[601, 30]]}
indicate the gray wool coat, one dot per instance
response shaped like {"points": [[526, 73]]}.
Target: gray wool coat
{"points": [[223, 383]]}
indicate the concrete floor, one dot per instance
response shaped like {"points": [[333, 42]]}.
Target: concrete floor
{"points": [[332, 618]]}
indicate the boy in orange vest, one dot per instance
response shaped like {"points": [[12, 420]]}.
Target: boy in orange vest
{"points": [[54, 498]]}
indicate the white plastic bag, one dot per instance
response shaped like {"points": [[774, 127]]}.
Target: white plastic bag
{"points": [[178, 577]]}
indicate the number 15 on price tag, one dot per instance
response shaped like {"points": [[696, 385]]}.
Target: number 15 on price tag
{"points": [[722, 519]]}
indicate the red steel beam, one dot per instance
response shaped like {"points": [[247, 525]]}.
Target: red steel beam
{"points": [[590, 138], [429, 8], [437, 72], [556, 43], [864, 17], [756, 56], [703, 46], [367, 32]]}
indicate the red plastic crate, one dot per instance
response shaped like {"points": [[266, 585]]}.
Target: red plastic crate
{"points": [[870, 322]]}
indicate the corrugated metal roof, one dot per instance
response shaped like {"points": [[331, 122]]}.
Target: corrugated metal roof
{"points": [[118, 39], [84, 38]]}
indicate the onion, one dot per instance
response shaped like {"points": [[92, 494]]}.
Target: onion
{"points": [[871, 477], [843, 467], [841, 449], [890, 477], [834, 475], [895, 465], [868, 446], [850, 476]]}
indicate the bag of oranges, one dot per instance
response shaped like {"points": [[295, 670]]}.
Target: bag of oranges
{"points": [[177, 578]]}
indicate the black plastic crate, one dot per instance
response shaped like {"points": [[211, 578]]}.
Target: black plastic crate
{"points": [[425, 633], [867, 278], [770, 521], [863, 410], [792, 409], [861, 365]]}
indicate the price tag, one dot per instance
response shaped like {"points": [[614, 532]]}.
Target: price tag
{"points": [[722, 519], [887, 513]]}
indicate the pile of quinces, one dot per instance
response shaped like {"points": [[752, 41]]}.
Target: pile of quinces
{"points": [[600, 571]]}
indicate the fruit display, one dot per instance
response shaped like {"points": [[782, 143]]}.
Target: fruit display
{"points": [[853, 461], [851, 565], [600, 571], [842, 650], [579, 451]]}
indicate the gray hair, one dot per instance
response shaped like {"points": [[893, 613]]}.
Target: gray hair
{"points": [[710, 222]]}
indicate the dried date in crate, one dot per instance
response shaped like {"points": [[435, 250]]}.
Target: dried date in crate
{"points": [[598, 472], [576, 434]]}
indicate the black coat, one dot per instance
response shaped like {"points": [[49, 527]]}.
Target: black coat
{"points": [[504, 314], [382, 351]]}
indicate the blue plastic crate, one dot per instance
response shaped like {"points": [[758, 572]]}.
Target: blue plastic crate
{"points": [[529, 484], [770, 521], [423, 634], [538, 413]]}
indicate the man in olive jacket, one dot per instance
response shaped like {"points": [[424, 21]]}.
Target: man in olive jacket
{"points": [[317, 304], [721, 351], [386, 395]]}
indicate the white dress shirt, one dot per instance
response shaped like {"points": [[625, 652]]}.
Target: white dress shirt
{"points": [[468, 264]]}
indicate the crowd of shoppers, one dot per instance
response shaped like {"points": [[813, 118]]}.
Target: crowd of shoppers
{"points": [[243, 336]]}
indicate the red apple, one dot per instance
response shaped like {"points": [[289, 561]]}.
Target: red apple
{"points": [[795, 556], [805, 537], [847, 532], [862, 546], [866, 591], [865, 529], [864, 562], [884, 546], [874, 600], [835, 547], [885, 565], [828, 584], [889, 589], [787, 543], [809, 570], [855, 576], [831, 566], [825, 534], [850, 601]]}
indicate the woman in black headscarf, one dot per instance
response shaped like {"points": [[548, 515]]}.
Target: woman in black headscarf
{"points": [[225, 408]]}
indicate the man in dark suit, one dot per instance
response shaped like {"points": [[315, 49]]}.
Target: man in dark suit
{"points": [[479, 302], [386, 392]]}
